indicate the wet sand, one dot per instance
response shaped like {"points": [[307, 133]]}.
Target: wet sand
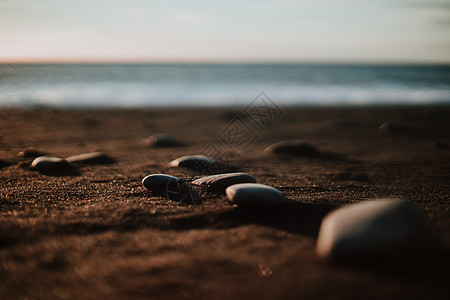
{"points": [[98, 233]]}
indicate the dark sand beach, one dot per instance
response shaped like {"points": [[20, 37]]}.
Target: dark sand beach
{"points": [[94, 232]]}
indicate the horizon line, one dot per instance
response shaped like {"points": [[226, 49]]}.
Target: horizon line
{"points": [[31, 61]]}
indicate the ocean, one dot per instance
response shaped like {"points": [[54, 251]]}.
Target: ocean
{"points": [[178, 85]]}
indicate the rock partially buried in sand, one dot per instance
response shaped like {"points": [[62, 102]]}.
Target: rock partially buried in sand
{"points": [[299, 148], [397, 128], [219, 183], [50, 164], [30, 152], [389, 127], [200, 163], [163, 140], [375, 230], [255, 196], [191, 161], [90, 158], [170, 188], [160, 184]]}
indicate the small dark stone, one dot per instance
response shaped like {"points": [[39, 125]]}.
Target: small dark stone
{"points": [[201, 163], [397, 128], [163, 140], [299, 148], [30, 152]]}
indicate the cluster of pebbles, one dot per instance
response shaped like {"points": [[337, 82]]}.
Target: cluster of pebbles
{"points": [[379, 229], [48, 164], [240, 188], [376, 230]]}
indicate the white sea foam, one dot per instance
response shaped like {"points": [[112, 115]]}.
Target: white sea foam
{"points": [[209, 85]]}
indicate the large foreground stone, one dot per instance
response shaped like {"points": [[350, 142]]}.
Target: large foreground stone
{"points": [[374, 230]]}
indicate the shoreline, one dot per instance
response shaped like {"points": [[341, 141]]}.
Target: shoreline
{"points": [[214, 107]]}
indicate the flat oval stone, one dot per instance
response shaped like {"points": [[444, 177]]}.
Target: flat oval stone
{"points": [[50, 163], [219, 183], [160, 184], [90, 158], [193, 162], [390, 127], [155, 180], [163, 140], [292, 147], [377, 229], [255, 196], [397, 128]]}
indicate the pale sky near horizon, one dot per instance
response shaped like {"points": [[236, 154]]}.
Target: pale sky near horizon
{"points": [[225, 31]]}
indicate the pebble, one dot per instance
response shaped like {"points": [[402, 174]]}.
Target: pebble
{"points": [[200, 163], [160, 184], [30, 152], [255, 196], [373, 230], [170, 188], [50, 163], [292, 147], [219, 183], [163, 140], [394, 127], [90, 158], [389, 127]]}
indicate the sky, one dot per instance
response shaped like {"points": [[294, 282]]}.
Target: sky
{"points": [[225, 31]]}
